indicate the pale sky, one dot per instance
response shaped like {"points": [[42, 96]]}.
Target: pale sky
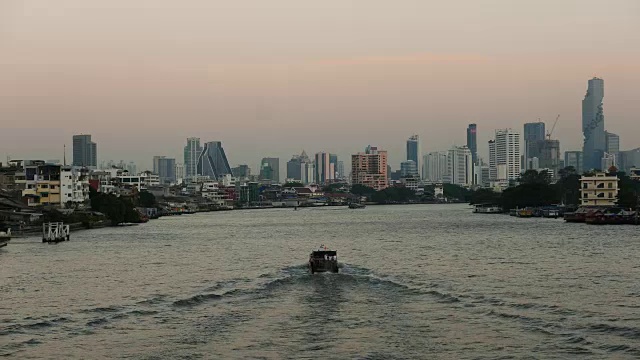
{"points": [[271, 78]]}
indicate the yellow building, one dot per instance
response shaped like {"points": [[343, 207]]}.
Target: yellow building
{"points": [[599, 190]]}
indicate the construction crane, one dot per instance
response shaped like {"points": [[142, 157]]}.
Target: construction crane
{"points": [[553, 128]]}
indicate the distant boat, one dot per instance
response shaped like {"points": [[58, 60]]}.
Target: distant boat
{"points": [[487, 209], [356, 206]]}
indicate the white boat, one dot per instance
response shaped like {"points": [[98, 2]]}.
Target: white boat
{"points": [[487, 209]]}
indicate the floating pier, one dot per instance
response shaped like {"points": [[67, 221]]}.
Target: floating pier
{"points": [[55, 232]]}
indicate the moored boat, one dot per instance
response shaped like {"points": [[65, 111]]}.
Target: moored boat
{"points": [[487, 209], [5, 236], [355, 205]]}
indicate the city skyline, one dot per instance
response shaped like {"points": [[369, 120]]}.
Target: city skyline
{"points": [[138, 102]]}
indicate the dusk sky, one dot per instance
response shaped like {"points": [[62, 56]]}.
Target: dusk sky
{"points": [[271, 78]]}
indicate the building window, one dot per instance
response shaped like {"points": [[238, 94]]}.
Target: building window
{"points": [[584, 186], [610, 195], [600, 186], [601, 195], [610, 185]]}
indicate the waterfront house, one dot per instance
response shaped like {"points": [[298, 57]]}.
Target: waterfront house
{"points": [[599, 189]]}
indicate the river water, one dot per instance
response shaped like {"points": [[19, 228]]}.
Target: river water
{"points": [[417, 282]]}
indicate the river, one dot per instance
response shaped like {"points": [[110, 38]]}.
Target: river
{"points": [[417, 282]]}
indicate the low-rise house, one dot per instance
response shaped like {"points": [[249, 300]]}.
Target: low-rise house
{"points": [[599, 189]]}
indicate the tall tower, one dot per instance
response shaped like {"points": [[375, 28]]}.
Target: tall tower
{"points": [[507, 155], [472, 142], [191, 153], [533, 141], [85, 152], [413, 150], [593, 125]]}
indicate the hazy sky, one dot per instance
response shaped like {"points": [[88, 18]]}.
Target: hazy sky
{"points": [[270, 78]]}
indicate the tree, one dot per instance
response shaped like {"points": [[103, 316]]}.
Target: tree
{"points": [[534, 177], [362, 190], [146, 199], [485, 196]]}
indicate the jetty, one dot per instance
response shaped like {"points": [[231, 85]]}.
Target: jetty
{"points": [[55, 232]]}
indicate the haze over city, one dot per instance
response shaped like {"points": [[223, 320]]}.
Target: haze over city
{"points": [[274, 78]]}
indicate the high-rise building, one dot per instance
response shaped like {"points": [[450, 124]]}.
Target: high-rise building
{"points": [[550, 156], [507, 155], [165, 168], [472, 142], [534, 136], [85, 152], [179, 172], [595, 142], [340, 175], [413, 150], [435, 167], [370, 168], [241, 171], [191, 154], [408, 168], [297, 168], [629, 159], [612, 145], [459, 166], [333, 160], [493, 161], [573, 159], [266, 172], [607, 161], [325, 169], [212, 161], [274, 164]]}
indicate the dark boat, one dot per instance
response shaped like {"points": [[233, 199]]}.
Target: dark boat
{"points": [[354, 205], [323, 260]]}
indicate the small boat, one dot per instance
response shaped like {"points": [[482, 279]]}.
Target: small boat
{"points": [[323, 260], [5, 236], [356, 206]]}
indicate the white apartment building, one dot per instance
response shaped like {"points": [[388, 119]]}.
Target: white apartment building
{"points": [[434, 167], [459, 166], [504, 156]]}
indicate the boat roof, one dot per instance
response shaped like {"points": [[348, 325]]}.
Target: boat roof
{"points": [[324, 252]]}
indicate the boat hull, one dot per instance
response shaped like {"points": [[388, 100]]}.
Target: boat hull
{"points": [[319, 266]]}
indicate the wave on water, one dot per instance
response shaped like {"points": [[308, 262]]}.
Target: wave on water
{"points": [[196, 300]]}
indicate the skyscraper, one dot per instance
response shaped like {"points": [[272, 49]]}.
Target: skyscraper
{"points": [[534, 136], [191, 153], [370, 168], [241, 171], [612, 143], [340, 175], [274, 164], [165, 168], [472, 142], [325, 169], [574, 159], [493, 161], [507, 156], [593, 125], [297, 167], [333, 160], [408, 168], [212, 161], [413, 150], [435, 167], [459, 166], [85, 152]]}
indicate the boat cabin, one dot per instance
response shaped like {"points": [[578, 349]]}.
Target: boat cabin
{"points": [[323, 261]]}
